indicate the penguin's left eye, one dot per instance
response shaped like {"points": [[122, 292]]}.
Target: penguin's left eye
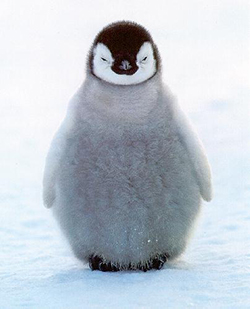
{"points": [[144, 59]]}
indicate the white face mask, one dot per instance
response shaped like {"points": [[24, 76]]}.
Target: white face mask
{"points": [[103, 61]]}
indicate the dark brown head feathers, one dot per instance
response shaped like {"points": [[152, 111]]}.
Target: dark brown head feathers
{"points": [[124, 37]]}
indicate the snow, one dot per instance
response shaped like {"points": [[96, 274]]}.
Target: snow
{"points": [[205, 51]]}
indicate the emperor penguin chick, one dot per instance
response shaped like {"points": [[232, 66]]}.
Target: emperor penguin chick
{"points": [[125, 173]]}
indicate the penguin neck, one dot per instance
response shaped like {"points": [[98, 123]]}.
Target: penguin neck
{"points": [[133, 102]]}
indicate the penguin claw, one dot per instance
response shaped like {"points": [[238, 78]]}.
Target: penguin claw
{"points": [[94, 262], [143, 268], [158, 262], [103, 267], [97, 263]]}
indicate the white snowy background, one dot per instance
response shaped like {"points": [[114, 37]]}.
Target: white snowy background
{"points": [[205, 51]]}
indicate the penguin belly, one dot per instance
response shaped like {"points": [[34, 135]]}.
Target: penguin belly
{"points": [[126, 194]]}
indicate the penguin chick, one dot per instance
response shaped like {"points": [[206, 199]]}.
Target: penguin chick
{"points": [[125, 173]]}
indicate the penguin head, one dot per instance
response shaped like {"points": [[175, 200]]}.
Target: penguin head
{"points": [[123, 53]]}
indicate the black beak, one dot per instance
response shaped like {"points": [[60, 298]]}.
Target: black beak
{"points": [[124, 66]]}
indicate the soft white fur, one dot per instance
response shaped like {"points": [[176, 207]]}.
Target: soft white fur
{"points": [[102, 68], [125, 173]]}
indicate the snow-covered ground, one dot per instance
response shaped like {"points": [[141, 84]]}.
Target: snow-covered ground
{"points": [[205, 51]]}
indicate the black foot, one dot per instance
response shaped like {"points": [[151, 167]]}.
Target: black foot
{"points": [[159, 261], [155, 263], [97, 263]]}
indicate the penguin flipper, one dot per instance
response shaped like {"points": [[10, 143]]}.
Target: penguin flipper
{"points": [[196, 152], [53, 160], [50, 171], [57, 149]]}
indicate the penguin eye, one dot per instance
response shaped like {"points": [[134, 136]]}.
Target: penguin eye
{"points": [[144, 59], [103, 59]]}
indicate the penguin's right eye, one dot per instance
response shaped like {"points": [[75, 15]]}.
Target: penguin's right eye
{"points": [[103, 59]]}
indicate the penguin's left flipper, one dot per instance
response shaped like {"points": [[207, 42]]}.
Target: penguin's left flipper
{"points": [[189, 139]]}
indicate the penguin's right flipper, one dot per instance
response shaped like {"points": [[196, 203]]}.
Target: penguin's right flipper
{"points": [[50, 171], [56, 151], [53, 160]]}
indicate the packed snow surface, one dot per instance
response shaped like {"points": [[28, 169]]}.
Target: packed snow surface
{"points": [[206, 64]]}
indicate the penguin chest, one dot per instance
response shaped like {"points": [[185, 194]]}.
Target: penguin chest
{"points": [[124, 151], [119, 164]]}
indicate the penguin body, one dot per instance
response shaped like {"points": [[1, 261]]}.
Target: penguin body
{"points": [[126, 173]]}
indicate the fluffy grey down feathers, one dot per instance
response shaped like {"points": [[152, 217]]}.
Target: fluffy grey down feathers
{"points": [[125, 173]]}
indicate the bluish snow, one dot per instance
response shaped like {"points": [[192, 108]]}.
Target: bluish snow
{"points": [[206, 64]]}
